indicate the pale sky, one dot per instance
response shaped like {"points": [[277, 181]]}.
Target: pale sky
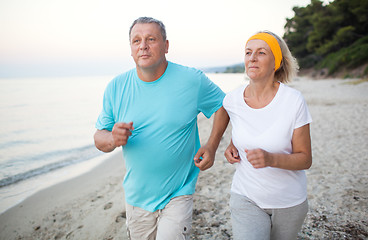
{"points": [[90, 37]]}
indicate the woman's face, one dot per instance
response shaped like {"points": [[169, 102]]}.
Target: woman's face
{"points": [[259, 60]]}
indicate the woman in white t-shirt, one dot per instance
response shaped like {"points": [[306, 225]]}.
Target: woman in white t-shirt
{"points": [[270, 143]]}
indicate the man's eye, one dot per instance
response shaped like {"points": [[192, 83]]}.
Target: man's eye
{"points": [[151, 39], [248, 53]]}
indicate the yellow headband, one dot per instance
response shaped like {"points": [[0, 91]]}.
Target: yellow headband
{"points": [[273, 44]]}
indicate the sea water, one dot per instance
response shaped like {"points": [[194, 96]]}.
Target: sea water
{"points": [[47, 127]]}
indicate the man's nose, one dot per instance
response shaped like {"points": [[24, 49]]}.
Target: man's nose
{"points": [[143, 45]]}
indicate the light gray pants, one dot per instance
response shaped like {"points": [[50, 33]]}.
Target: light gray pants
{"points": [[252, 222], [173, 222]]}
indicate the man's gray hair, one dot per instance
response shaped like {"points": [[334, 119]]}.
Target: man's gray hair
{"points": [[149, 20]]}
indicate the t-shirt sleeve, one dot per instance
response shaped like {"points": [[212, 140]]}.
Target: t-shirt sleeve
{"points": [[106, 118], [303, 116], [210, 96]]}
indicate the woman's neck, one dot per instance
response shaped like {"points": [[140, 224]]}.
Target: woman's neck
{"points": [[259, 94]]}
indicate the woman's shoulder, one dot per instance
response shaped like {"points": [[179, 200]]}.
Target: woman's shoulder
{"points": [[237, 90], [234, 94], [292, 96], [290, 91]]}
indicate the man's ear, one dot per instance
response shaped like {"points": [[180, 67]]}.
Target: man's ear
{"points": [[167, 46]]}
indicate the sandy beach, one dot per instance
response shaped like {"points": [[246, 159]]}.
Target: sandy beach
{"points": [[91, 206]]}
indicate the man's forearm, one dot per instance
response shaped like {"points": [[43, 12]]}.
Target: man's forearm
{"points": [[104, 141]]}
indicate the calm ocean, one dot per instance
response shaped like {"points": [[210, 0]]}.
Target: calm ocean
{"points": [[47, 127]]}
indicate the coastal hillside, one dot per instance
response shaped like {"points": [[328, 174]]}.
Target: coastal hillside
{"points": [[328, 40], [331, 39]]}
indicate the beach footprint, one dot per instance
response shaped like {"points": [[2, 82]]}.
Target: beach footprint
{"points": [[121, 217], [108, 205], [96, 198]]}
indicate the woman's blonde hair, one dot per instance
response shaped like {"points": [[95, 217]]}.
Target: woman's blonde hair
{"points": [[289, 66]]}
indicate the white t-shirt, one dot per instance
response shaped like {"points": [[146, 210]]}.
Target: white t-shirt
{"points": [[271, 129]]}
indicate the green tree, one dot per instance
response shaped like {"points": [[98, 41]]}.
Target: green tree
{"points": [[299, 29], [319, 34]]}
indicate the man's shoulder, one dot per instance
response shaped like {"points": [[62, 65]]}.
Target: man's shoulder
{"points": [[125, 76], [178, 67], [121, 80]]}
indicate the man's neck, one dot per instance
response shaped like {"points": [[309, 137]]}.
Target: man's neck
{"points": [[153, 73]]}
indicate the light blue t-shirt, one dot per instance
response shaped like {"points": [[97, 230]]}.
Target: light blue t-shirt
{"points": [[159, 153]]}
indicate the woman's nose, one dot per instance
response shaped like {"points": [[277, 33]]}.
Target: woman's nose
{"points": [[252, 57]]}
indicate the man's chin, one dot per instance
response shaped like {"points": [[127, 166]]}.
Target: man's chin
{"points": [[145, 62], [145, 66]]}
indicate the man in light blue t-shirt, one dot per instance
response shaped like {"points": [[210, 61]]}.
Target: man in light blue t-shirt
{"points": [[151, 111]]}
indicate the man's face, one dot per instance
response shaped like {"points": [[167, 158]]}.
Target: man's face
{"points": [[148, 47]]}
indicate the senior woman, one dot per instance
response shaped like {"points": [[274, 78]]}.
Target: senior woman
{"points": [[270, 143]]}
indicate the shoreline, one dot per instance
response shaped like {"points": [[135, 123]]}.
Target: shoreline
{"points": [[91, 206], [26, 188], [80, 198]]}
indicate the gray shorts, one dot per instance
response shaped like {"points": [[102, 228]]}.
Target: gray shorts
{"points": [[172, 222], [252, 222]]}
